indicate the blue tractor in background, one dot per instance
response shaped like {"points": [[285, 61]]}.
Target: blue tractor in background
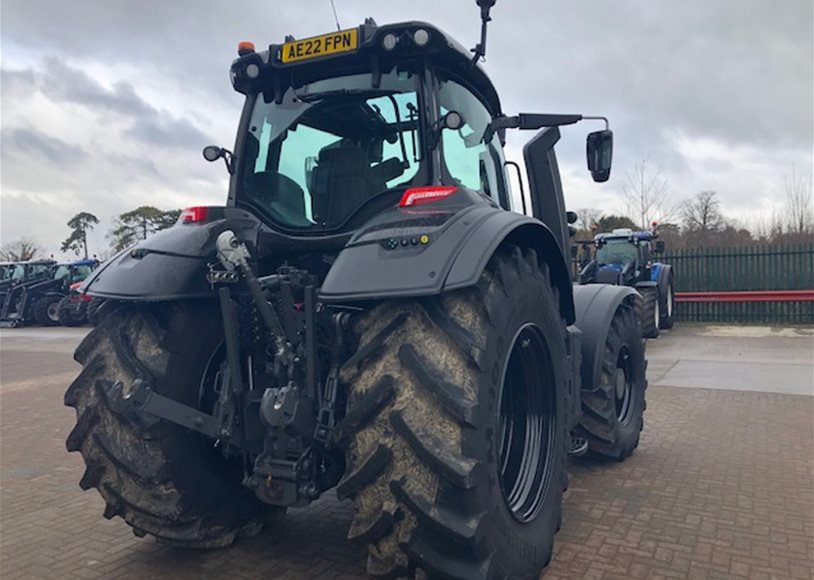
{"points": [[624, 257]]}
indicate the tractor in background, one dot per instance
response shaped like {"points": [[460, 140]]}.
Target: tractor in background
{"points": [[35, 297], [625, 257], [17, 276]]}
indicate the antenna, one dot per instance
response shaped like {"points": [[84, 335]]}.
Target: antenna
{"points": [[336, 18], [480, 48]]}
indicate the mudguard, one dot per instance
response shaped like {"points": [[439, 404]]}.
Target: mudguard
{"points": [[389, 259], [171, 264], [595, 306], [660, 274]]}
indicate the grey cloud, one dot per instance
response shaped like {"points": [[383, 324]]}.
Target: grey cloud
{"points": [[61, 83], [32, 142], [164, 132]]}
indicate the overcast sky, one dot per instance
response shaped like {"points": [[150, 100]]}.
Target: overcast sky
{"points": [[107, 104]]}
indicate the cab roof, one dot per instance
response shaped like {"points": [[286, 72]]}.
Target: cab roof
{"points": [[626, 234], [370, 55]]}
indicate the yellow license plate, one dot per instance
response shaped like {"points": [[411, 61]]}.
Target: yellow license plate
{"points": [[319, 46]]}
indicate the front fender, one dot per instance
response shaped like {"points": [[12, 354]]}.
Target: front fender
{"points": [[377, 263], [171, 264], [595, 306]]}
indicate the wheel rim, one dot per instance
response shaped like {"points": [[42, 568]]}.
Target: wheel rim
{"points": [[220, 455], [623, 385], [526, 424], [53, 311], [670, 300]]}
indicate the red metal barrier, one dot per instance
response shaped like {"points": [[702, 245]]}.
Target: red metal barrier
{"points": [[748, 296]]}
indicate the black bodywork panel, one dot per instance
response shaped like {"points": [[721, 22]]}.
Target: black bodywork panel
{"points": [[383, 262], [595, 306], [171, 264]]}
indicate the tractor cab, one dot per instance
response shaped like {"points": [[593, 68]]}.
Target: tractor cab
{"points": [[339, 127], [353, 126], [73, 272], [22, 272]]}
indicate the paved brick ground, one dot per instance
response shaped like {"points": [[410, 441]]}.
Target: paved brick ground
{"points": [[722, 486]]}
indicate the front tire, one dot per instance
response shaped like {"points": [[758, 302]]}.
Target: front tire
{"points": [[162, 479], [456, 428], [613, 413]]}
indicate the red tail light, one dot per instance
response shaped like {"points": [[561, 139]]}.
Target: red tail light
{"points": [[194, 215], [419, 195]]}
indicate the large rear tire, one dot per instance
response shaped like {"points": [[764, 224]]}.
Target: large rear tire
{"points": [[162, 479], [46, 311], [98, 308], [613, 413], [456, 428], [647, 310], [667, 306]]}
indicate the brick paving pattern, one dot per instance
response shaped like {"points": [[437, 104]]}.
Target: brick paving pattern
{"points": [[720, 487]]}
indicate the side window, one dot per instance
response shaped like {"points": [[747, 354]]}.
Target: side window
{"points": [[470, 160]]}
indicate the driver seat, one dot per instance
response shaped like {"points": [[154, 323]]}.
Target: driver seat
{"points": [[340, 182]]}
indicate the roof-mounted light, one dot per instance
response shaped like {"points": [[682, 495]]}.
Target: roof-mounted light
{"points": [[389, 41], [245, 47], [419, 195], [421, 37]]}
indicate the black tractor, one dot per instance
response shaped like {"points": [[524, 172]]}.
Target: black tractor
{"points": [[19, 277], [373, 311], [35, 299], [627, 258]]}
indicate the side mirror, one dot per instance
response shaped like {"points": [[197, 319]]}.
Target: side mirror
{"points": [[659, 249], [599, 151], [212, 153], [571, 216]]}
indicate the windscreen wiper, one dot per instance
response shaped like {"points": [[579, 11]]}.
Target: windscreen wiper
{"points": [[311, 97]]}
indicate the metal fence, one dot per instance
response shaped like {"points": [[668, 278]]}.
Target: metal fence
{"points": [[763, 267]]}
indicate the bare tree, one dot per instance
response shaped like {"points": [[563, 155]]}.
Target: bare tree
{"points": [[20, 250], [799, 218], [702, 215], [646, 194], [588, 217]]}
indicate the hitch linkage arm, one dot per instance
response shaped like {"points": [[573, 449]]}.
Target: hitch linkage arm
{"points": [[142, 399]]}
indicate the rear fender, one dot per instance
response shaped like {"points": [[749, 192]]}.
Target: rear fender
{"points": [[171, 264], [595, 306], [661, 276], [454, 257]]}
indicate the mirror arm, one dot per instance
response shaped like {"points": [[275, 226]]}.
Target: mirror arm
{"points": [[532, 121], [597, 118], [228, 159]]}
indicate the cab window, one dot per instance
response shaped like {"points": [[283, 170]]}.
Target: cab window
{"points": [[469, 159]]}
